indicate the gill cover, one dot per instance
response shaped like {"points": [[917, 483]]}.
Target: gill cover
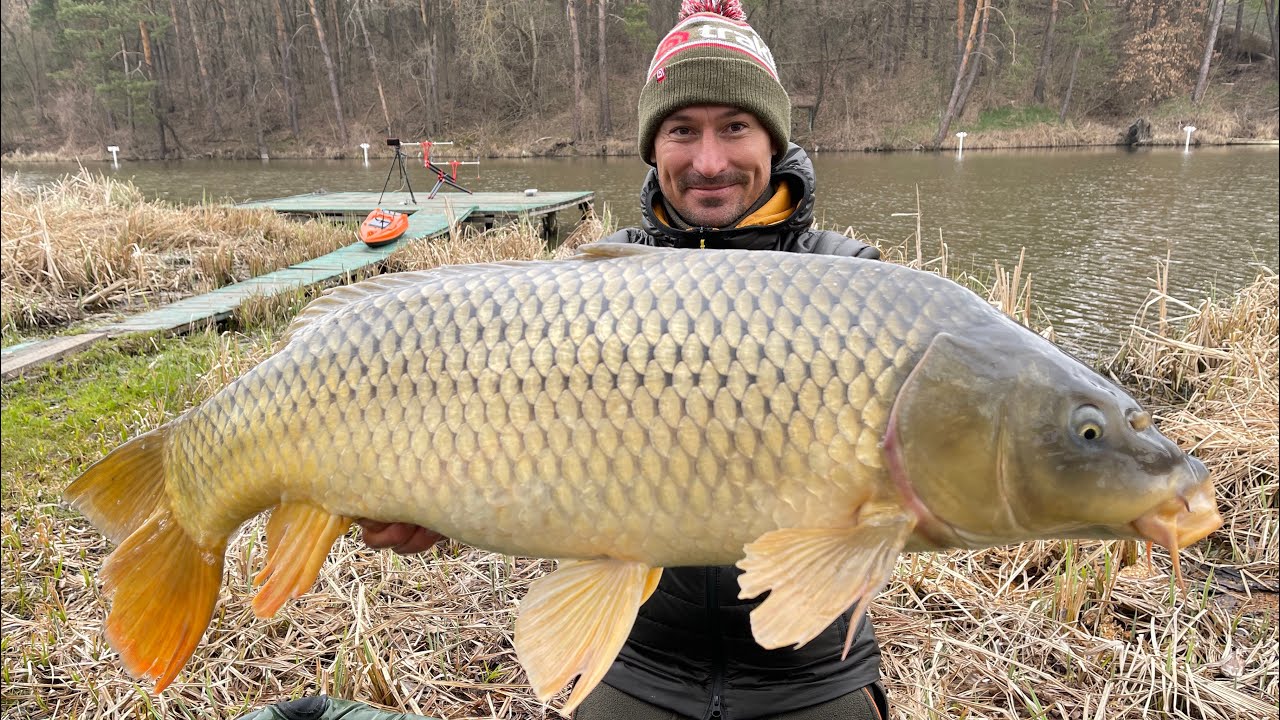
{"points": [[943, 441]]}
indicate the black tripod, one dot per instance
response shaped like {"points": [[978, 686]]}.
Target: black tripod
{"points": [[397, 162], [443, 178]]}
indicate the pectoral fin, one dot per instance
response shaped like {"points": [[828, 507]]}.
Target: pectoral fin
{"points": [[814, 574], [575, 620]]}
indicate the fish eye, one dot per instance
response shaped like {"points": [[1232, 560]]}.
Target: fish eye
{"points": [[1088, 423]]}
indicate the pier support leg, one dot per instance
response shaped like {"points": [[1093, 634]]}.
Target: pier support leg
{"points": [[550, 226]]}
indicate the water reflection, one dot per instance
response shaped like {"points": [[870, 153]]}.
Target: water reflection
{"points": [[1093, 223]]}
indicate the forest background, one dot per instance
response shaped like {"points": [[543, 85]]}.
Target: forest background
{"points": [[314, 78]]}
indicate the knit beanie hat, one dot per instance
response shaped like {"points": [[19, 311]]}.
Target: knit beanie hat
{"points": [[713, 57]]}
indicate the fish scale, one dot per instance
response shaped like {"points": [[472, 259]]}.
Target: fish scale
{"points": [[466, 414], [632, 409]]}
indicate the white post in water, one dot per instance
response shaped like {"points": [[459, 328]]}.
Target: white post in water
{"points": [[960, 148], [113, 149], [1186, 147], [365, 148]]}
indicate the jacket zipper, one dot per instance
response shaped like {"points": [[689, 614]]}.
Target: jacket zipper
{"points": [[715, 712]]}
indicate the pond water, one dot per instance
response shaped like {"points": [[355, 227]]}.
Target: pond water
{"points": [[1093, 223]]}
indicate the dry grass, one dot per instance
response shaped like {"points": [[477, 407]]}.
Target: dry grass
{"points": [[91, 244], [1210, 372], [1038, 136], [1040, 630]]}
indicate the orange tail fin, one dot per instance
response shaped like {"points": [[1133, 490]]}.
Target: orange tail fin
{"points": [[163, 585]]}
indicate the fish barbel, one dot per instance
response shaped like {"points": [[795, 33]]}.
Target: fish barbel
{"points": [[805, 417]]}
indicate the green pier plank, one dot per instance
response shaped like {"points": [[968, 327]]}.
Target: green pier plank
{"points": [[38, 352], [19, 347], [460, 205]]}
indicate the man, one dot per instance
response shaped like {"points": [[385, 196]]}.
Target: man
{"points": [[714, 124]]}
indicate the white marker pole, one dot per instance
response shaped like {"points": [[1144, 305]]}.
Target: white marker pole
{"points": [[1186, 147], [365, 148], [960, 148], [113, 149]]}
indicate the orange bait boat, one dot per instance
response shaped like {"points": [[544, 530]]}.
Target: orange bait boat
{"points": [[382, 226]]}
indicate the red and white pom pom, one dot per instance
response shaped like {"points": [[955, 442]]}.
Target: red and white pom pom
{"points": [[731, 9]]}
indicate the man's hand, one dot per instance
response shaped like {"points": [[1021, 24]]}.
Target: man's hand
{"points": [[404, 538]]}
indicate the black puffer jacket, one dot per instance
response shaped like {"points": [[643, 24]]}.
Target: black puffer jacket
{"points": [[791, 235], [691, 650]]}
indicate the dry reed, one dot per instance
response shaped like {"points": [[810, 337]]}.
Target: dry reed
{"points": [[1038, 630], [90, 244]]}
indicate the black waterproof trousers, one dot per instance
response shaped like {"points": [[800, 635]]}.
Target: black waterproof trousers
{"points": [[607, 703]]}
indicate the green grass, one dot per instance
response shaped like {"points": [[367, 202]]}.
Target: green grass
{"points": [[1011, 118], [74, 411]]}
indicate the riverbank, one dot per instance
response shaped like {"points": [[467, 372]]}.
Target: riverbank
{"points": [[1027, 137], [1223, 118], [1039, 629]]}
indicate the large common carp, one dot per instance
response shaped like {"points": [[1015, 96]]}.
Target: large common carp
{"points": [[805, 417]]}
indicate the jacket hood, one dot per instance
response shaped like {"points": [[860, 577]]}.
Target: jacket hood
{"points": [[793, 168]]}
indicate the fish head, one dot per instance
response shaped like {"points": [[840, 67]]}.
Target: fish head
{"points": [[1000, 437]]}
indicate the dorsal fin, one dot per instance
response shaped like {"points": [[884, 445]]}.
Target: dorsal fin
{"points": [[603, 250]]}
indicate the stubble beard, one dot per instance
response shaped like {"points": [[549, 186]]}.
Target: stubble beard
{"points": [[713, 212]]}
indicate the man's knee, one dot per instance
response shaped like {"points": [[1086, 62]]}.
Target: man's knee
{"points": [[868, 703], [607, 703]]}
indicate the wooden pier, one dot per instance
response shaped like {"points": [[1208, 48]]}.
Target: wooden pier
{"points": [[427, 219]]}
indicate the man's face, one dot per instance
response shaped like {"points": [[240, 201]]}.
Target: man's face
{"points": [[713, 163]]}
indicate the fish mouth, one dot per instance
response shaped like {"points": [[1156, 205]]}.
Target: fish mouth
{"points": [[1181, 520], [1184, 519]]}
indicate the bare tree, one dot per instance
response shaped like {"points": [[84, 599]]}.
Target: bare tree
{"points": [[149, 70], [606, 121], [285, 47], [373, 64], [826, 67], [924, 29], [250, 39], [182, 46], [36, 93], [433, 86], [1273, 27], [1046, 54], [1071, 84], [964, 73], [886, 45], [318, 23], [578, 102], [1235, 35], [202, 55], [905, 42], [1203, 81], [975, 65], [338, 42]]}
